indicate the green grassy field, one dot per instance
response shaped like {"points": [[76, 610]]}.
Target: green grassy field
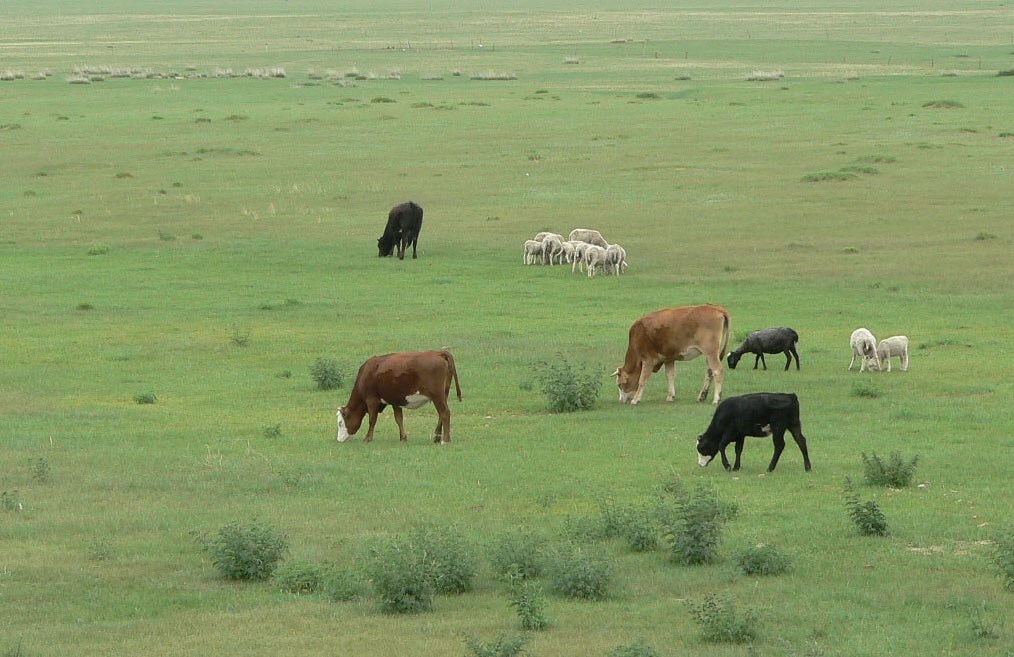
{"points": [[150, 226]]}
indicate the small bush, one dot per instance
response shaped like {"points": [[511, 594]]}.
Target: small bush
{"points": [[341, 585], [865, 389], [693, 528], [452, 560], [383, 99], [983, 236], [247, 552], [505, 645], [527, 600], [520, 552], [327, 374], [897, 472], [637, 649], [867, 516], [762, 560], [1004, 555], [585, 529], [649, 95], [828, 176], [166, 237], [860, 168], [100, 549], [240, 338], [1005, 73], [299, 577], [721, 622], [98, 249], [145, 398], [942, 104], [273, 430], [567, 389], [40, 469], [11, 501], [85, 306], [577, 573], [402, 577]]}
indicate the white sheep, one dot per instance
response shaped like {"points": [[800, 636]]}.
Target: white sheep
{"points": [[568, 251], [552, 249], [578, 259], [589, 236], [594, 256], [616, 258], [541, 236], [896, 345], [533, 251], [864, 345]]}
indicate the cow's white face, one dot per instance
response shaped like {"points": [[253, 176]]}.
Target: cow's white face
{"points": [[343, 431], [703, 460], [623, 382]]}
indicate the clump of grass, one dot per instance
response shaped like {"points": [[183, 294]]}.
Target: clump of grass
{"points": [[327, 374], [245, 551], [1003, 556], [1005, 73], [850, 249], [124, 174], [649, 95], [520, 553], [40, 469], [298, 577], [896, 472], [828, 176], [383, 99], [567, 389], [240, 338], [867, 516], [341, 585], [99, 549], [197, 236], [983, 236], [585, 529], [284, 374], [762, 560], [452, 560], [273, 430], [505, 645], [942, 104], [876, 159], [98, 249], [859, 168], [865, 389], [402, 577], [577, 572], [145, 398], [527, 599], [982, 628], [638, 648], [85, 306], [693, 527], [721, 622], [166, 237], [11, 501]]}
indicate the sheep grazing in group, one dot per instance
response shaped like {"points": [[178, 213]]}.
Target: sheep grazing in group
{"points": [[616, 259], [896, 345], [594, 256], [543, 235], [552, 249], [781, 340], [864, 346], [578, 258], [589, 236], [533, 251]]}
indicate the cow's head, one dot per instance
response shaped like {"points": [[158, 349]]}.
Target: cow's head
{"points": [[343, 430], [705, 451], [385, 246], [733, 359], [626, 383]]}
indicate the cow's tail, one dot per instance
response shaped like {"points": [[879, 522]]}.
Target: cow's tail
{"points": [[726, 331], [453, 371]]}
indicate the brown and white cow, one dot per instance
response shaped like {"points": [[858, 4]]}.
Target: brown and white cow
{"points": [[665, 336], [404, 380]]}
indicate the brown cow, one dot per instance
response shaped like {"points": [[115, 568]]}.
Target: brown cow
{"points": [[405, 380], [665, 336]]}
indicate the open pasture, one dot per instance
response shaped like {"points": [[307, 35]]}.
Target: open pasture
{"points": [[204, 239]]}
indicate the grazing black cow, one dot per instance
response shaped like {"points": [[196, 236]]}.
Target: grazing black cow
{"points": [[781, 340], [403, 226], [758, 414]]}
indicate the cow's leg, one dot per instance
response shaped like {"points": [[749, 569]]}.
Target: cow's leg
{"points": [[763, 362], [398, 417], [415, 241], [797, 435], [779, 437], [670, 375], [444, 411], [715, 373], [642, 381], [402, 245], [728, 437], [792, 349], [707, 385], [739, 452], [372, 411], [788, 359], [756, 360]]}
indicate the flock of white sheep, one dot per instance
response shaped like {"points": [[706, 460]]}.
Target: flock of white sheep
{"points": [[584, 248], [873, 356]]}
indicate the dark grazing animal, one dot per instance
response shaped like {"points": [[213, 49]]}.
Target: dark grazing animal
{"points": [[403, 380], [403, 225], [666, 336], [781, 340], [758, 414]]}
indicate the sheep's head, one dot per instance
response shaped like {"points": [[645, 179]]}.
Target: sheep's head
{"points": [[733, 359]]}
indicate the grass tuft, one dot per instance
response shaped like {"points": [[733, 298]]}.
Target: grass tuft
{"points": [[896, 472]]}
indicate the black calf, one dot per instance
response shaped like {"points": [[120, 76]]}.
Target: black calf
{"points": [[403, 225], [768, 341], [759, 414]]}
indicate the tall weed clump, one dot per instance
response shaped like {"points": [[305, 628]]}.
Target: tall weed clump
{"points": [[522, 553], [867, 516], [299, 577], [896, 472], [246, 551], [720, 620], [402, 577], [327, 374], [1004, 556], [505, 645], [577, 572], [762, 560], [451, 558], [567, 389], [637, 649], [527, 599], [693, 526]]}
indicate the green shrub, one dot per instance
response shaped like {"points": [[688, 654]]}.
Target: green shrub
{"points": [[452, 560], [98, 249], [521, 551], [240, 338], [299, 577], [40, 469], [575, 572], [693, 528], [341, 584], [402, 577], [566, 388], [249, 552], [640, 531], [721, 622], [762, 560], [85, 306], [505, 645], [327, 374], [983, 236], [648, 95], [166, 237], [273, 430], [145, 398], [897, 472], [865, 389], [942, 104], [527, 600], [584, 529], [11, 501], [828, 176], [637, 649], [1004, 555], [867, 516]]}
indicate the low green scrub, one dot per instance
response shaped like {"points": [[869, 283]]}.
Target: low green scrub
{"points": [[828, 176], [145, 398], [867, 516], [896, 472], [521, 552], [341, 584], [692, 527], [402, 577], [721, 621], [327, 374], [245, 551], [527, 599], [639, 648], [1004, 555], [299, 577], [567, 388], [505, 645], [580, 572], [452, 559], [762, 560]]}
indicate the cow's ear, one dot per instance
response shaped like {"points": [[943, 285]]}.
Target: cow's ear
{"points": [[616, 373]]}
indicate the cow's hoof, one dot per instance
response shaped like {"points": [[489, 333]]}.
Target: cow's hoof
{"points": [[445, 442], [669, 399]]}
